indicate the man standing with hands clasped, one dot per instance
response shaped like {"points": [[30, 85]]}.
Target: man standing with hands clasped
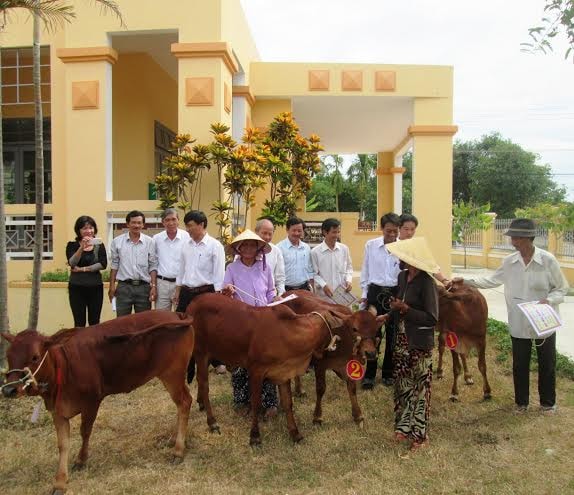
{"points": [[331, 260], [530, 274]]}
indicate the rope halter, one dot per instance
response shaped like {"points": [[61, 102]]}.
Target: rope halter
{"points": [[28, 378], [334, 338]]}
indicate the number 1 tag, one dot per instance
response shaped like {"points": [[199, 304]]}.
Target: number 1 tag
{"points": [[355, 370]]}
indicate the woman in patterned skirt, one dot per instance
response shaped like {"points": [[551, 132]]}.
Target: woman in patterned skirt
{"points": [[417, 305]]}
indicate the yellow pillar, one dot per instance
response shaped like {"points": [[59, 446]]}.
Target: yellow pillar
{"points": [[385, 183], [205, 72], [88, 153], [432, 174]]}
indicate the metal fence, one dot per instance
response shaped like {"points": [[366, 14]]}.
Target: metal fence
{"points": [[20, 237], [566, 245]]}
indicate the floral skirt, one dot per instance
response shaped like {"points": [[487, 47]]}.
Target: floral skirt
{"points": [[412, 379], [241, 394]]}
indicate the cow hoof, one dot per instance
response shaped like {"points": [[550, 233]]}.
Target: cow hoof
{"points": [[78, 466], [214, 429], [439, 375], [255, 442], [297, 438], [176, 460], [486, 397], [361, 424], [200, 406], [317, 421], [469, 380], [453, 398]]}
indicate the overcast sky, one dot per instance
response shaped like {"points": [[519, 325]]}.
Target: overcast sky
{"points": [[527, 98]]}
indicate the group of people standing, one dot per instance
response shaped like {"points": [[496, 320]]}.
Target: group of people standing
{"points": [[177, 265]]}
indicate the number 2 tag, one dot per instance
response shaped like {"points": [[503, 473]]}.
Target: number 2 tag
{"points": [[355, 370], [451, 340]]}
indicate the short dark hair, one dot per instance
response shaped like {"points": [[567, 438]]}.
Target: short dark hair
{"points": [[330, 223], [195, 216], [294, 221], [407, 217], [390, 218], [80, 222], [133, 214]]}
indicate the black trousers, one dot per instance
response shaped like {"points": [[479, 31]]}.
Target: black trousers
{"points": [[185, 297], [304, 286], [546, 352], [379, 298], [84, 299]]}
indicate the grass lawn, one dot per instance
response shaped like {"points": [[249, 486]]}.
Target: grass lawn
{"points": [[476, 447]]}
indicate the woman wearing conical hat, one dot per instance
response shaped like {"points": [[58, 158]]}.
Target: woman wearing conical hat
{"points": [[417, 305], [250, 280]]}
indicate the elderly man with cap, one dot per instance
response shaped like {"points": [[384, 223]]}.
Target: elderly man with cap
{"points": [[529, 274], [249, 279], [265, 229]]}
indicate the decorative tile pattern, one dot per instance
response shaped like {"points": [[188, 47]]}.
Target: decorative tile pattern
{"points": [[352, 80], [385, 80], [199, 91], [85, 95], [318, 80]]}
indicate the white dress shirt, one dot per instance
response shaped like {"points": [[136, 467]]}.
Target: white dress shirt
{"points": [[379, 266], [277, 265], [133, 260], [540, 279], [202, 263], [169, 252], [332, 267], [297, 258]]}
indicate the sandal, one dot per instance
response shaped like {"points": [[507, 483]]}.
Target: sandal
{"points": [[419, 444], [400, 437]]}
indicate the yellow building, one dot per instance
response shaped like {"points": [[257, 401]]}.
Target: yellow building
{"points": [[114, 96]]}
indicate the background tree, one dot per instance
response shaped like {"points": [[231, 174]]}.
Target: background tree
{"points": [[501, 172], [362, 174], [559, 218], [558, 19], [468, 218]]}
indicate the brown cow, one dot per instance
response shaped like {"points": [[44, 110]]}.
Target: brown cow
{"points": [[464, 311], [75, 369], [357, 342], [270, 342]]}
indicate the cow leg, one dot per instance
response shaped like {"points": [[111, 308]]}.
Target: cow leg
{"points": [[287, 401], [467, 375], [62, 426], [320, 387], [299, 392], [203, 392], [482, 368], [88, 418], [441, 345], [355, 408], [255, 386], [179, 393], [456, 372]]}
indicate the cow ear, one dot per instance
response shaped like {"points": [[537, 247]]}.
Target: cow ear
{"points": [[335, 319], [9, 337]]}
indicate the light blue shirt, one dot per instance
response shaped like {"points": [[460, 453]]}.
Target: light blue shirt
{"points": [[298, 266]]}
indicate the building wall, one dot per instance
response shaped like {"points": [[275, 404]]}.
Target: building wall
{"points": [[142, 94]]}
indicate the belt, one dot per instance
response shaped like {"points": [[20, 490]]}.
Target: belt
{"points": [[383, 287], [134, 282], [167, 279], [304, 286], [198, 290]]}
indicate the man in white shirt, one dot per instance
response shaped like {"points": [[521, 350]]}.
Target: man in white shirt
{"points": [[133, 267], [168, 245], [264, 228], [530, 274], [332, 265], [379, 278], [297, 256], [201, 270]]}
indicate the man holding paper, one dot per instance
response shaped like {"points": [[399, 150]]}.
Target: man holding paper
{"points": [[332, 266], [529, 275]]}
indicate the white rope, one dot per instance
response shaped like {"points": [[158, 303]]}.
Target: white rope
{"points": [[264, 303], [29, 378], [334, 338]]}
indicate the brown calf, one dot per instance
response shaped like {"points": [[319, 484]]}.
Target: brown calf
{"points": [[357, 342], [75, 369], [270, 342], [463, 311]]}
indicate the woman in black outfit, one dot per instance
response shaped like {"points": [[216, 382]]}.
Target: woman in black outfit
{"points": [[86, 259]]}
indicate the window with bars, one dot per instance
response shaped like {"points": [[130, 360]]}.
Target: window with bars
{"points": [[17, 82]]}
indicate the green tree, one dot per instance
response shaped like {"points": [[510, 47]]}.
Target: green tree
{"points": [[501, 172], [361, 174], [559, 218], [558, 19], [467, 218], [408, 183]]}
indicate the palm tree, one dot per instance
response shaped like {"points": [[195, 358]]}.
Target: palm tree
{"points": [[33, 314], [51, 13], [361, 171], [337, 179]]}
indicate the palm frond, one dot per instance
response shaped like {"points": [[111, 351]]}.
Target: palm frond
{"points": [[110, 6], [53, 13]]}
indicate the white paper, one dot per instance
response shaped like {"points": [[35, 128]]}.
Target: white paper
{"points": [[114, 304], [342, 297], [285, 299], [542, 317]]}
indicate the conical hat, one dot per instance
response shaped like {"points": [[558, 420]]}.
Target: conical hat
{"points": [[248, 235], [415, 252]]}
